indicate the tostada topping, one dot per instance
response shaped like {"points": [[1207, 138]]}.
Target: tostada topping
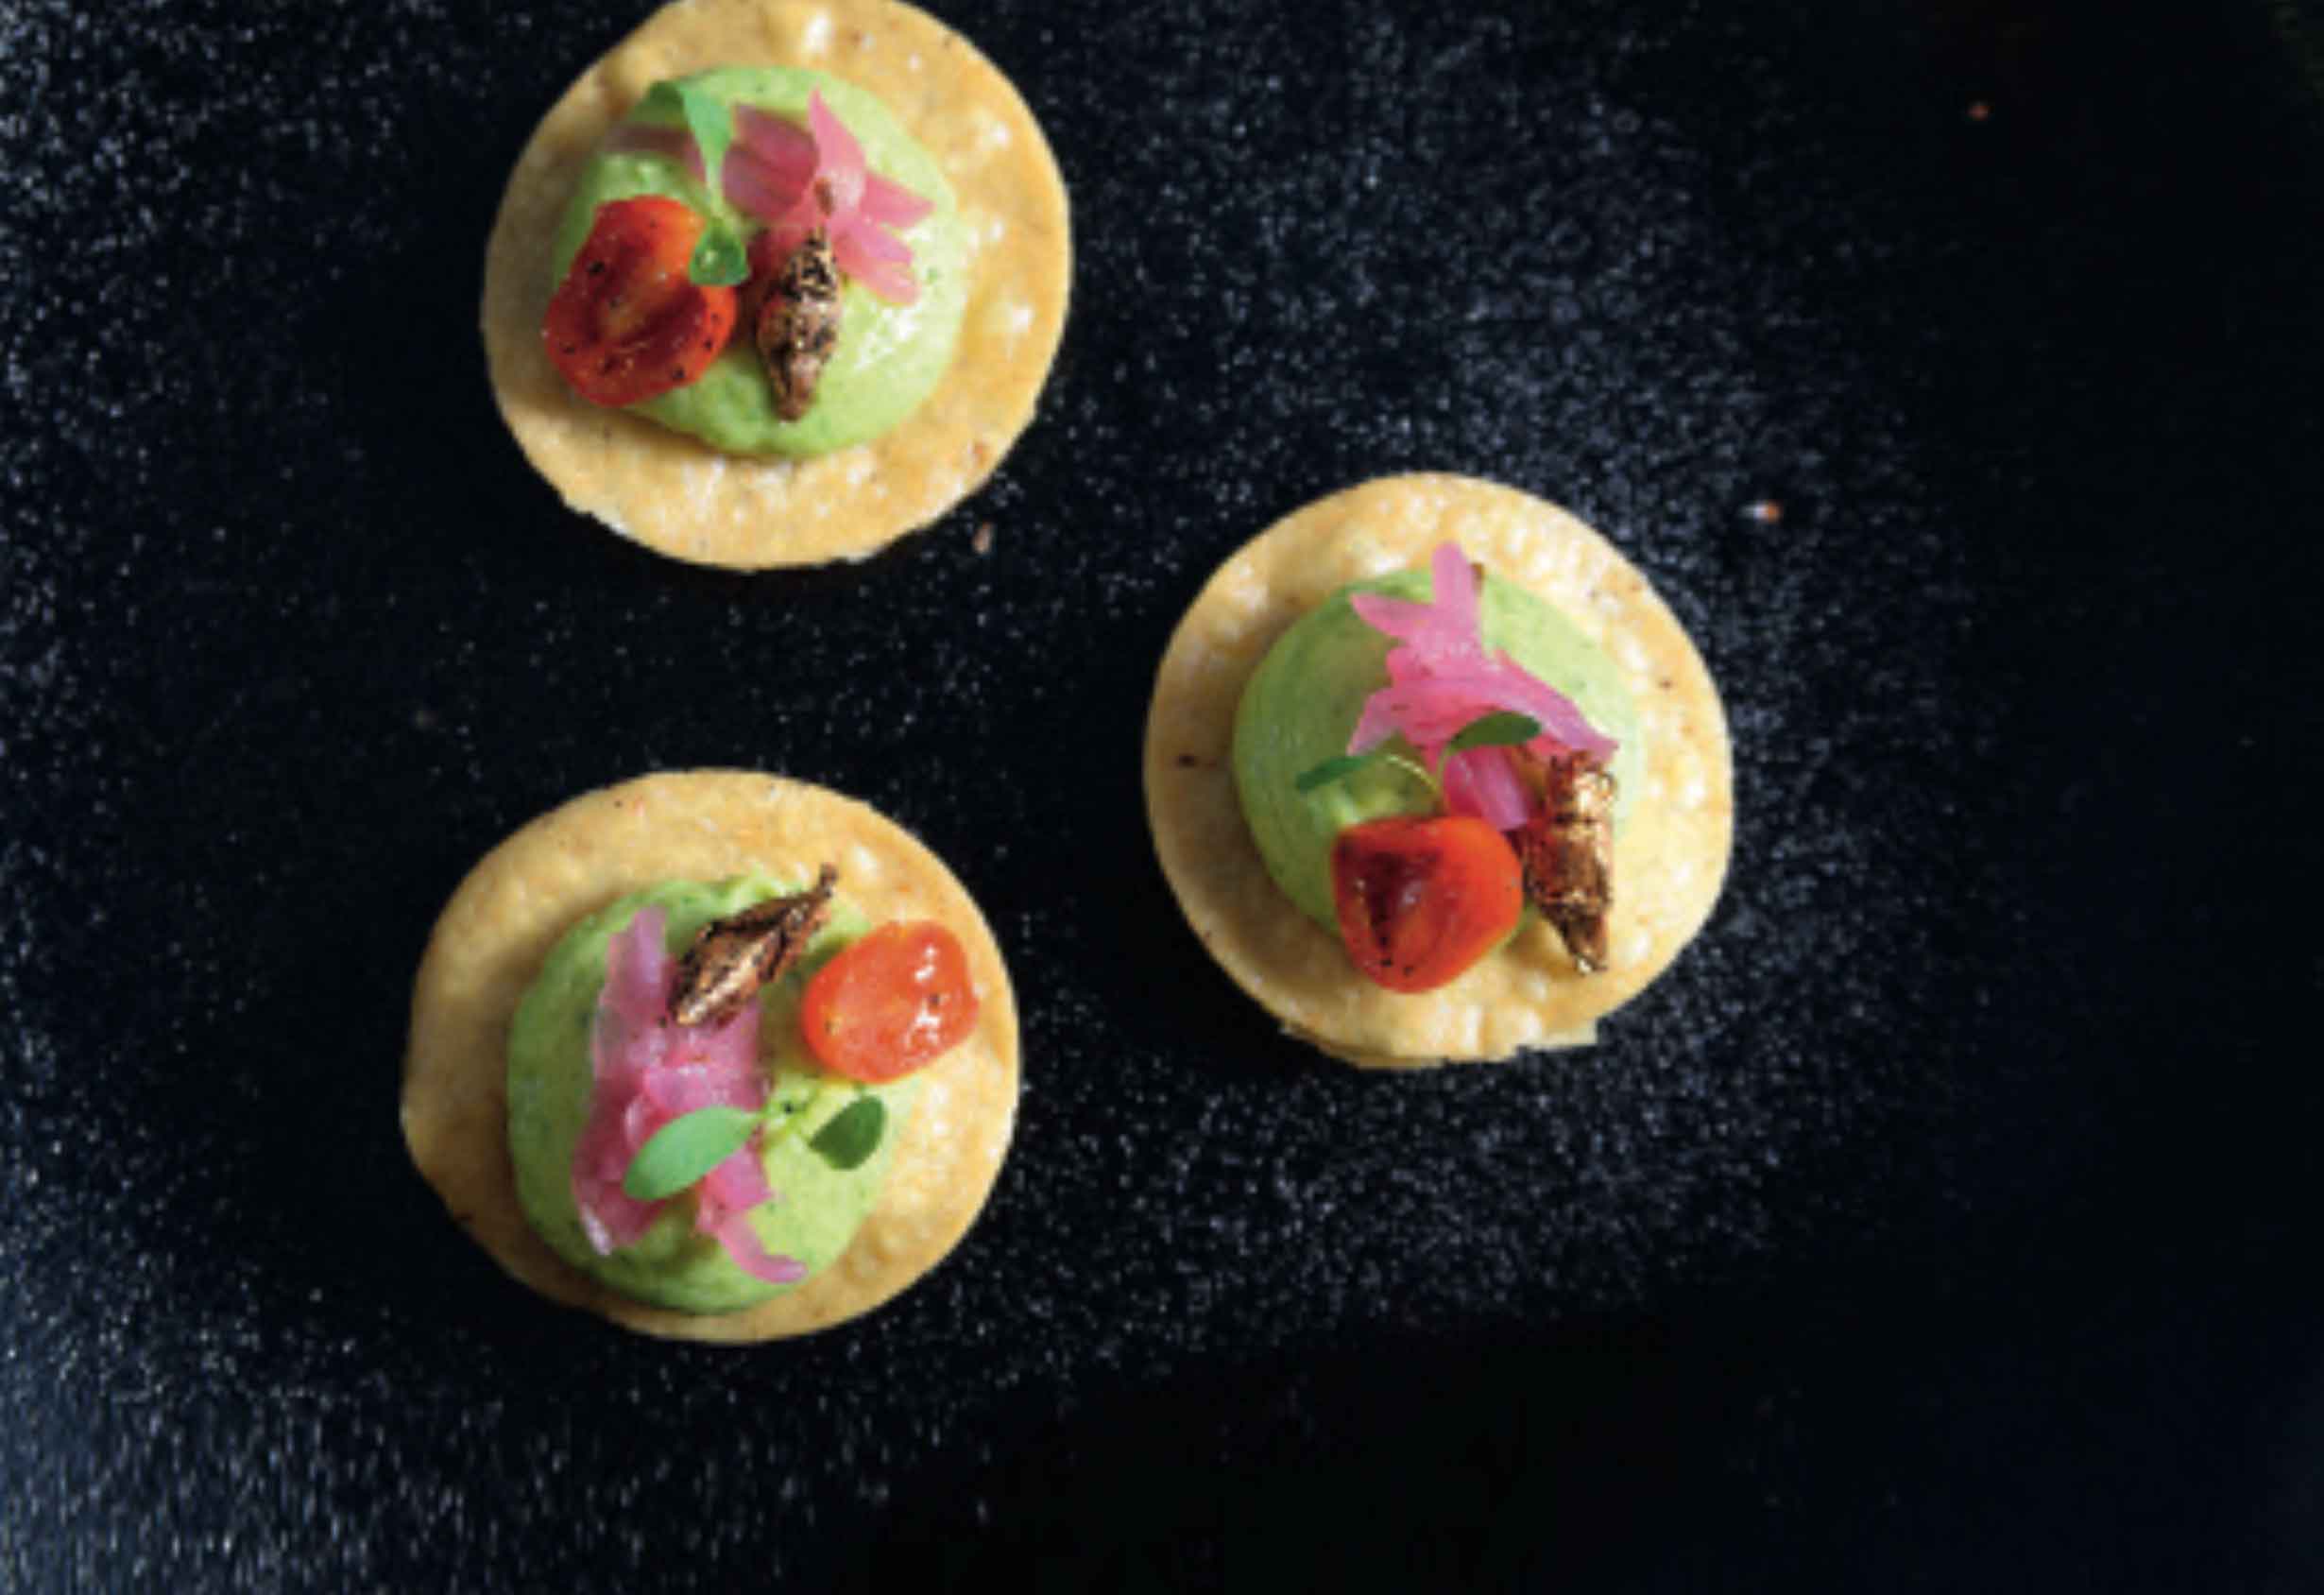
{"points": [[839, 341], [1442, 680], [648, 1073], [794, 181], [629, 322], [796, 326], [1298, 711], [1421, 899], [890, 1003], [1459, 732], [731, 958], [800, 181], [1566, 848], [704, 1067], [695, 1166], [1442, 689]]}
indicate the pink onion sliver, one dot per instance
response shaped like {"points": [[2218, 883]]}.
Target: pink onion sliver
{"points": [[742, 1245], [611, 1216], [758, 189], [1480, 782], [722, 1204], [871, 243], [1514, 688], [1396, 617], [636, 1117], [890, 281], [785, 149], [736, 1185], [889, 203], [638, 968], [621, 1051], [1456, 595], [730, 1047], [839, 158], [688, 1087], [1429, 642], [1428, 713]]}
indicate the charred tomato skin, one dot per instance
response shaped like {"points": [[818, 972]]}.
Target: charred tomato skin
{"points": [[627, 322], [1421, 899], [890, 1003]]}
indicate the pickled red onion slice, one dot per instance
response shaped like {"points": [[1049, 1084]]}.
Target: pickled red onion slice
{"points": [[796, 179], [722, 1203], [646, 1072], [768, 167], [1442, 631], [1480, 782], [1441, 681], [783, 153], [625, 1044], [891, 204], [839, 160]]}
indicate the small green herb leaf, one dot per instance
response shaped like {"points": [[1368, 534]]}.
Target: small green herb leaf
{"points": [[853, 1134], [710, 123], [1334, 769], [1506, 729], [720, 260], [712, 126], [685, 1149]]}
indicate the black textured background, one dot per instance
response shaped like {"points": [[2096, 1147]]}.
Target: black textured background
{"points": [[1944, 1219]]}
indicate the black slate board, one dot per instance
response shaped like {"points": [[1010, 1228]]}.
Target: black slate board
{"points": [[1941, 1221]]}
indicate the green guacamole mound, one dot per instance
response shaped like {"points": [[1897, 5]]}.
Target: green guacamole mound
{"points": [[818, 1208], [890, 356], [1301, 704]]}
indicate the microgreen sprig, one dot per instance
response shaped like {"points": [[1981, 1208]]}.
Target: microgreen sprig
{"points": [[687, 1148], [720, 260]]}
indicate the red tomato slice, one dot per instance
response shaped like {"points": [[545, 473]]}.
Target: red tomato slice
{"points": [[1420, 900], [628, 323], [889, 1003]]}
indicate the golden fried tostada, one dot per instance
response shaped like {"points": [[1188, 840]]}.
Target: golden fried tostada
{"points": [[1626, 656], [999, 196], [508, 979]]}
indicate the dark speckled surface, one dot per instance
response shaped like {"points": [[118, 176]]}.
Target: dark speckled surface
{"points": [[1942, 1221]]}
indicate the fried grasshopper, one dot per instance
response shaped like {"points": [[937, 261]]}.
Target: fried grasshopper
{"points": [[731, 958]]}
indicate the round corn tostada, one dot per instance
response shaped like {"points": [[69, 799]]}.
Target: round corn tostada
{"points": [[689, 500], [1669, 844], [518, 908]]}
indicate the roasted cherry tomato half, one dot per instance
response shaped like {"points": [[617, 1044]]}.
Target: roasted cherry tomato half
{"points": [[1420, 900], [627, 322], [889, 1003]]}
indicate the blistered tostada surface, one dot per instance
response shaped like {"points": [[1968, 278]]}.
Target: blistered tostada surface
{"points": [[1618, 650], [549, 889], [931, 114]]}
